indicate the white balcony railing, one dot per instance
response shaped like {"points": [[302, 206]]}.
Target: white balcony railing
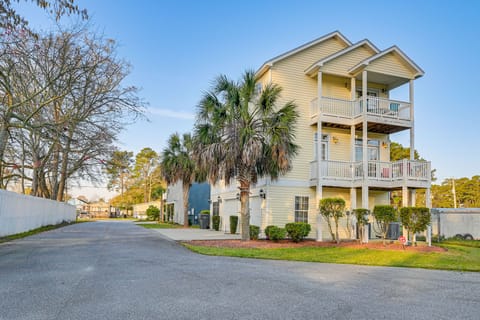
{"points": [[379, 107], [384, 108], [376, 170]]}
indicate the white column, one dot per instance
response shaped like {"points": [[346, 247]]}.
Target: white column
{"points": [[405, 204], [412, 129], [352, 143], [364, 142], [429, 235], [365, 197], [319, 228], [404, 196], [353, 88], [366, 234], [319, 138], [413, 197], [428, 198]]}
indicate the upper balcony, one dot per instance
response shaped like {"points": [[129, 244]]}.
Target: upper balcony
{"points": [[380, 174], [382, 115]]}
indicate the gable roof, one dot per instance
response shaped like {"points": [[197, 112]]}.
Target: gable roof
{"points": [[314, 67], [395, 49], [269, 63]]}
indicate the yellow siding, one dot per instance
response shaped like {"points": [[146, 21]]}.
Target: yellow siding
{"points": [[281, 202], [336, 87], [391, 64], [264, 79], [345, 62], [341, 150], [289, 74]]}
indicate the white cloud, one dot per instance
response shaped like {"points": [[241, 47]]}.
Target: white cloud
{"points": [[171, 113]]}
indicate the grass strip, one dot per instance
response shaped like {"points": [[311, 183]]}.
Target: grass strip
{"points": [[459, 258], [35, 231]]}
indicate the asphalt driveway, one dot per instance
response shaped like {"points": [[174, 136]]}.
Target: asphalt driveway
{"points": [[117, 270]]}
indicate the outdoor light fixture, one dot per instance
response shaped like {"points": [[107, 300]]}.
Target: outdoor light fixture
{"points": [[335, 140], [219, 199], [237, 196], [384, 144], [262, 194]]}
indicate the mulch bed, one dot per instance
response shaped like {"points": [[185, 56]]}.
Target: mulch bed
{"points": [[265, 244]]}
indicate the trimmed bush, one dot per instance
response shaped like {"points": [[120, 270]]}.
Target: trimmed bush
{"points": [[233, 224], [267, 231], [153, 213], [216, 222], [362, 220], [205, 212], [297, 231], [384, 215], [332, 208], [415, 219], [275, 233], [254, 231]]}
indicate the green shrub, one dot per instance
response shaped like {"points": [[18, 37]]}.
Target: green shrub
{"points": [[384, 215], [415, 219], [267, 231], [205, 212], [362, 219], [254, 231], [275, 233], [332, 208], [297, 231], [153, 213], [216, 222], [233, 224]]}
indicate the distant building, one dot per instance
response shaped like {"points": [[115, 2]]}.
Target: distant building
{"points": [[140, 209], [198, 200]]}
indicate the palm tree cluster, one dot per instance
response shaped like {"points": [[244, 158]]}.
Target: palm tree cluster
{"points": [[241, 134]]}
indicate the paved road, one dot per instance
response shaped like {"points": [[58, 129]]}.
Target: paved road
{"points": [[116, 270]]}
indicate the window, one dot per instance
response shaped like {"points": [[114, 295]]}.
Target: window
{"points": [[324, 146], [215, 209], [258, 88], [301, 209], [373, 150]]}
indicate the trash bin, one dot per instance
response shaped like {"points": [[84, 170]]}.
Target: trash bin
{"points": [[204, 221]]}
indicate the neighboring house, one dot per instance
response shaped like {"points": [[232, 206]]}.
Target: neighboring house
{"points": [[140, 209], [347, 114], [80, 203], [99, 209], [198, 200]]}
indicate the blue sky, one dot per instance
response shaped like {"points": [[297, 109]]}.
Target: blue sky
{"points": [[176, 48]]}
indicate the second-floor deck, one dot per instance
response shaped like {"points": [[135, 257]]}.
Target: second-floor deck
{"points": [[382, 115], [411, 173]]}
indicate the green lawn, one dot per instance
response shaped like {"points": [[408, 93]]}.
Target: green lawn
{"points": [[35, 231], [160, 225], [458, 257]]}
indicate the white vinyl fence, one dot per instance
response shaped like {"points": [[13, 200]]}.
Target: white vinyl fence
{"points": [[20, 213], [450, 222]]}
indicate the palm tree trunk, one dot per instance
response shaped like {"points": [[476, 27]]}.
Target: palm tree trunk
{"points": [[186, 192], [245, 209]]}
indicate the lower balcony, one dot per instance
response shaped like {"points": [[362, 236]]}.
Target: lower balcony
{"points": [[411, 173]]}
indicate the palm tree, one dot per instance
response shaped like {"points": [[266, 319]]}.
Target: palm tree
{"points": [[241, 135], [178, 166]]}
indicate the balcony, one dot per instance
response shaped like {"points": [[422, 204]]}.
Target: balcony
{"points": [[379, 174], [383, 115]]}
